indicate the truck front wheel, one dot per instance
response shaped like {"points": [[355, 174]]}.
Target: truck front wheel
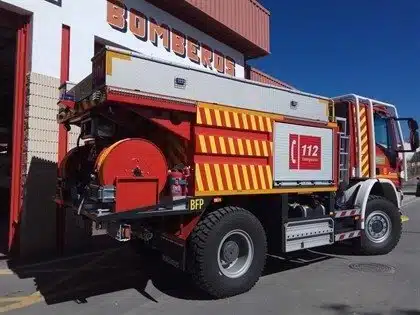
{"points": [[228, 252], [383, 227]]}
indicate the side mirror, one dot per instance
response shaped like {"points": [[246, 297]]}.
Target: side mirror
{"points": [[414, 139], [413, 126]]}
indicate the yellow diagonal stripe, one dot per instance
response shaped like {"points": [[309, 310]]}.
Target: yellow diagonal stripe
{"points": [[198, 179], [202, 141], [228, 177], [365, 149], [231, 146], [246, 179], [365, 159], [237, 178], [227, 119], [199, 120], [208, 176], [254, 177], [236, 120], [269, 176], [253, 122], [240, 146], [248, 147], [218, 118], [218, 177], [208, 116], [213, 145], [222, 145], [265, 150], [245, 120], [257, 147], [262, 177], [261, 123], [364, 141], [268, 122]]}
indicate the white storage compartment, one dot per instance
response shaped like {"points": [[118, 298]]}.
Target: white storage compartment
{"points": [[302, 155]]}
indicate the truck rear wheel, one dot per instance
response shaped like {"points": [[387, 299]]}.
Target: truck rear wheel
{"points": [[228, 252], [383, 227]]}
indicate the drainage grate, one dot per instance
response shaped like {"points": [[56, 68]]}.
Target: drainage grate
{"points": [[372, 267]]}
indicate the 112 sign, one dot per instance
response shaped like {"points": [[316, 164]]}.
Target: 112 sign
{"points": [[304, 152]]}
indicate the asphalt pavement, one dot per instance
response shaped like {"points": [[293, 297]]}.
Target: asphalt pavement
{"points": [[323, 281]]}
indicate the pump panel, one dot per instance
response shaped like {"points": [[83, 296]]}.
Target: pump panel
{"points": [[303, 155]]}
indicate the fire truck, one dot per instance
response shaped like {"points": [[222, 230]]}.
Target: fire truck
{"points": [[215, 172]]}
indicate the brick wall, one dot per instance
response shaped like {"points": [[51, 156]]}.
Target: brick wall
{"points": [[38, 219], [42, 124]]}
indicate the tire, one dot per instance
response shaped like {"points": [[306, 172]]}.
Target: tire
{"points": [[373, 242], [206, 242]]}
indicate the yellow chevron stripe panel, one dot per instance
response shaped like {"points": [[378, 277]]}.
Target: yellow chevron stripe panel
{"points": [[208, 144], [219, 116], [216, 178], [364, 137]]}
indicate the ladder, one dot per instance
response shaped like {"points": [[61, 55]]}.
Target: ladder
{"points": [[344, 146]]}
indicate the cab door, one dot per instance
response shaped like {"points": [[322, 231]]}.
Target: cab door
{"points": [[388, 163]]}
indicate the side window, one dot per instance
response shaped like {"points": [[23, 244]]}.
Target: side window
{"points": [[382, 134]]}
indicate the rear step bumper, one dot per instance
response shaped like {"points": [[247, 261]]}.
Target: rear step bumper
{"points": [[347, 235], [347, 213], [181, 206]]}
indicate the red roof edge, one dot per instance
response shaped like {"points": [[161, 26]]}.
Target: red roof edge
{"points": [[254, 74]]}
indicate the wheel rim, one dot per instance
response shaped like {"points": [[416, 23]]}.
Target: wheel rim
{"points": [[235, 254], [378, 226]]}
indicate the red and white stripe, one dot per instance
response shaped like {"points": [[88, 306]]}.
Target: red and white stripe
{"points": [[347, 213], [347, 235]]}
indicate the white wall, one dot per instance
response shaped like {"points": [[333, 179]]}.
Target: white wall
{"points": [[88, 18]]}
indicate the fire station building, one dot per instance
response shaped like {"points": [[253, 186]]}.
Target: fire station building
{"points": [[44, 43]]}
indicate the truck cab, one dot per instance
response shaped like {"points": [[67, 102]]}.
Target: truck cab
{"points": [[376, 146]]}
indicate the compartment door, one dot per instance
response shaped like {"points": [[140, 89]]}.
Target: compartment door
{"points": [[303, 156]]}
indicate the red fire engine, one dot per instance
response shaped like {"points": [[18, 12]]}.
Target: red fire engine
{"points": [[214, 171]]}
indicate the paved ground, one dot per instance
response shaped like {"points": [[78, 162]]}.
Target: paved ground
{"points": [[121, 282]]}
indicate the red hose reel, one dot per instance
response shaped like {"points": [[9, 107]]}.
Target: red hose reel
{"points": [[138, 170], [132, 158]]}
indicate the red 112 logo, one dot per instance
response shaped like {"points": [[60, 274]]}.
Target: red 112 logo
{"points": [[304, 152]]}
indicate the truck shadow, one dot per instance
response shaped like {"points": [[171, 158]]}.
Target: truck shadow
{"points": [[111, 269], [123, 268]]}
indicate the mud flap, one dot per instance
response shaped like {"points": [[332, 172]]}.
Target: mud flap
{"points": [[173, 250]]}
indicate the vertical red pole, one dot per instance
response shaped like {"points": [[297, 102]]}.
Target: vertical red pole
{"points": [[22, 44], [64, 76], [62, 132]]}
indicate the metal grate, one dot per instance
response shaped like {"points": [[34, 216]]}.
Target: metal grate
{"points": [[372, 267]]}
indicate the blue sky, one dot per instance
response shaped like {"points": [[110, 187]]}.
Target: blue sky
{"points": [[331, 47]]}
